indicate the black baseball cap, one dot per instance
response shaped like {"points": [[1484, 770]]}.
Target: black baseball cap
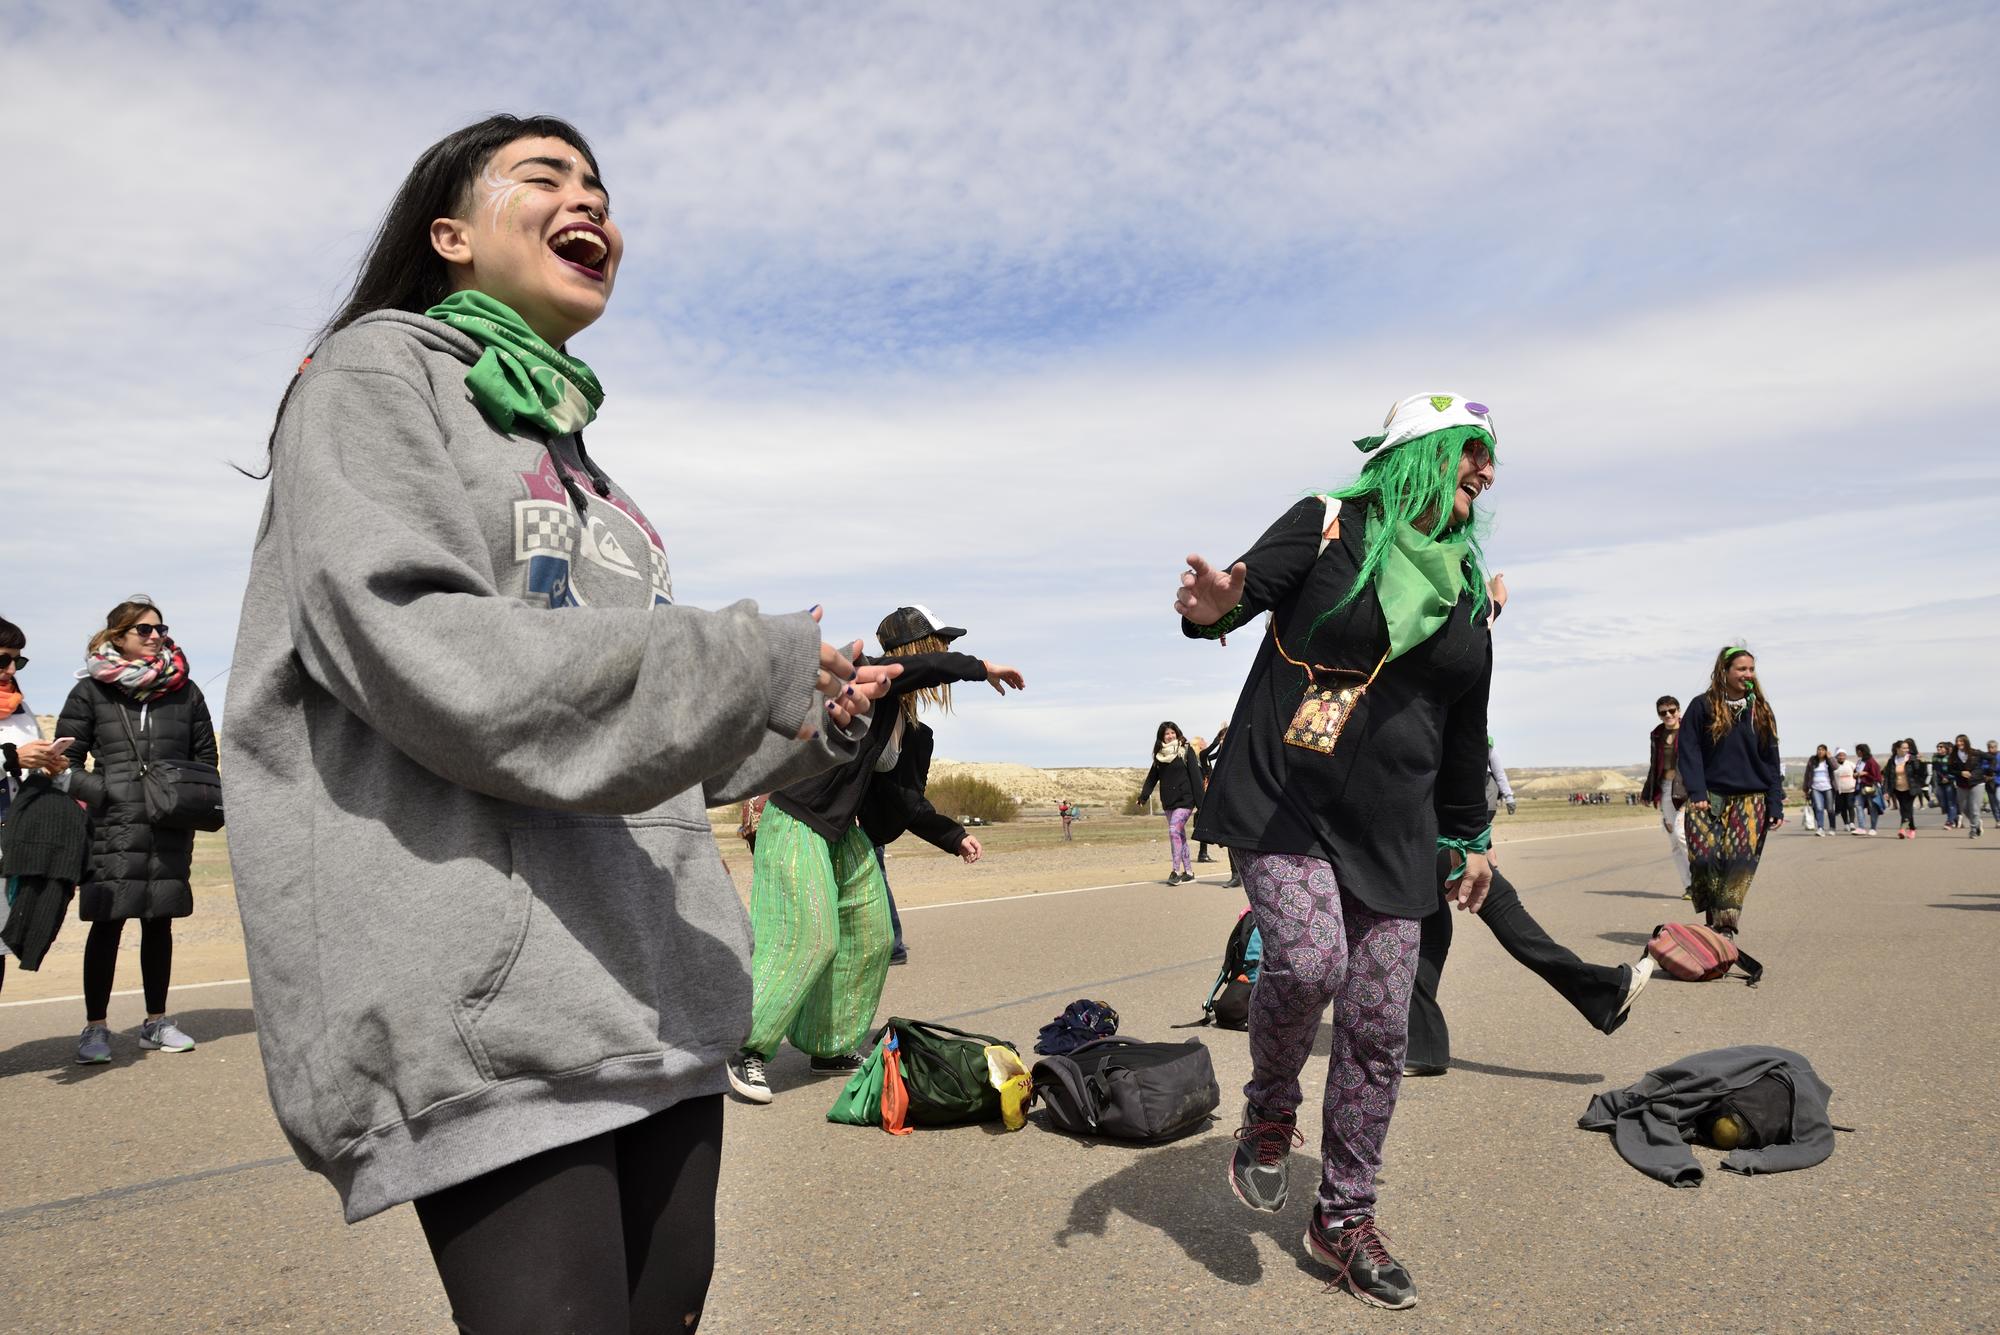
{"points": [[907, 625]]}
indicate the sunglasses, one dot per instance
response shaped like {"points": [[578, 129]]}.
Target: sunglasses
{"points": [[147, 632], [12, 661], [1669, 713]]}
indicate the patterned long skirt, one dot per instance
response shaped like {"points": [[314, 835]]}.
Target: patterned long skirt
{"points": [[1724, 845]]}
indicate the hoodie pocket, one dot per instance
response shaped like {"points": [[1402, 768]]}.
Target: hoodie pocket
{"points": [[618, 934]]}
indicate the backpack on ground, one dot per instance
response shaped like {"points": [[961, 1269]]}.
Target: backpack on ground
{"points": [[1127, 1089], [1228, 1004], [1696, 954]]}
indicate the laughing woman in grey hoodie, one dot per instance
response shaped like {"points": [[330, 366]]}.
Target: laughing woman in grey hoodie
{"points": [[498, 963]]}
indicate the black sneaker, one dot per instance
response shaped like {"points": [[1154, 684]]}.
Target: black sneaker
{"points": [[899, 957], [1257, 1171], [846, 1064], [1415, 1070], [1356, 1249], [746, 1077]]}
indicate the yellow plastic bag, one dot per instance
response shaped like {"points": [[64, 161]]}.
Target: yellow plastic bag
{"points": [[1006, 1073]]}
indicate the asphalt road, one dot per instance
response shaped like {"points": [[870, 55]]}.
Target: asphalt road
{"points": [[156, 1193]]}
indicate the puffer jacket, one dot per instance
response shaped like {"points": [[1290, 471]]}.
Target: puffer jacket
{"points": [[135, 870]]}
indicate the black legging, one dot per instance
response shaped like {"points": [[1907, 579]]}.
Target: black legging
{"points": [[1843, 808], [1906, 803], [100, 964], [1594, 989], [614, 1233]]}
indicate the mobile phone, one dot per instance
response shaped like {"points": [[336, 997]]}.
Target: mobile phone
{"points": [[61, 744]]}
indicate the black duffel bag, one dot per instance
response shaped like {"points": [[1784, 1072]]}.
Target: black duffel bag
{"points": [[180, 794], [1131, 1090], [944, 1070]]}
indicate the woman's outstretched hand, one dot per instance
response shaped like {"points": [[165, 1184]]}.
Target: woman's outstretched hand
{"points": [[850, 691], [1468, 892], [1000, 677], [1206, 594]]}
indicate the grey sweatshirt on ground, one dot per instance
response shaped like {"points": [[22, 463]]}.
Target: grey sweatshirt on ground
{"points": [[469, 749], [1652, 1121]]}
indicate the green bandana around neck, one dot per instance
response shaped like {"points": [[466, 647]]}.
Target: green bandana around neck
{"points": [[519, 377], [1420, 582]]}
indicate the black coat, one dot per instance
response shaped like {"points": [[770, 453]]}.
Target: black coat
{"points": [[1179, 781], [1411, 765], [135, 871], [895, 803]]}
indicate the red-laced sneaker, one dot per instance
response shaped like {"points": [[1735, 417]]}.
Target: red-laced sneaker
{"points": [[1358, 1251], [1257, 1170]]}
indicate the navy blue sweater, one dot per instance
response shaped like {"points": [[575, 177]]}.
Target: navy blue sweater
{"points": [[1740, 762]]}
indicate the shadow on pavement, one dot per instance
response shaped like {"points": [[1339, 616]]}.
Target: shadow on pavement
{"points": [[1970, 908], [1183, 1191], [1634, 894], [56, 1057], [1625, 938], [1558, 1077]]}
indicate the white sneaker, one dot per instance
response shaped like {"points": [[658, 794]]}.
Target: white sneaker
{"points": [[162, 1035], [1642, 973], [746, 1077]]}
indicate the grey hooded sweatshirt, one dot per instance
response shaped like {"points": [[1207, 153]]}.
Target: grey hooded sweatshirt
{"points": [[470, 744]]}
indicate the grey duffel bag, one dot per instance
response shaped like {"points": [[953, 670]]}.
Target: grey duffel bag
{"points": [[1131, 1090]]}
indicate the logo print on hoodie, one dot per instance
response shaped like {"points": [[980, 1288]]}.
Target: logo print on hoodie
{"points": [[548, 537]]}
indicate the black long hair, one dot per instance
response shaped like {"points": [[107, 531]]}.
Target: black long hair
{"points": [[401, 271]]}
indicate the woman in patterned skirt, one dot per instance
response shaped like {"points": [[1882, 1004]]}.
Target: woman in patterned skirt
{"points": [[1728, 754]]}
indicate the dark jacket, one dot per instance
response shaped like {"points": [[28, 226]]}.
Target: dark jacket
{"points": [[1815, 763], [1179, 780], [1741, 762], [1411, 765], [894, 803], [43, 847], [1968, 768], [1918, 773], [135, 871], [1656, 768], [827, 803], [1652, 1121]]}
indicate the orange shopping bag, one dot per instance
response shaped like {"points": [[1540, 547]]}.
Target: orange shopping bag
{"points": [[895, 1094]]}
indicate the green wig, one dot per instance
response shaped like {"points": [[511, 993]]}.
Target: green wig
{"points": [[1405, 483]]}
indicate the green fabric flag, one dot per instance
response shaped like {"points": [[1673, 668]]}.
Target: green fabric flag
{"points": [[519, 378], [1420, 582]]}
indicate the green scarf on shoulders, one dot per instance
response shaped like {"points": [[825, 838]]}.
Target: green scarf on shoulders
{"points": [[1420, 581], [519, 378]]}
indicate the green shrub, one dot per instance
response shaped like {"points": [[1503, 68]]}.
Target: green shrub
{"points": [[962, 795], [1136, 807]]}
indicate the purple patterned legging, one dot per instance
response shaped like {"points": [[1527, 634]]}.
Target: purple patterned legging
{"points": [[1323, 945], [1177, 823]]}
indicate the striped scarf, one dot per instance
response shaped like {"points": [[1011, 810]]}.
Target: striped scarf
{"points": [[146, 680]]}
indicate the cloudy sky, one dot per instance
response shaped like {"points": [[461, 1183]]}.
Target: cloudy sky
{"points": [[1006, 308]]}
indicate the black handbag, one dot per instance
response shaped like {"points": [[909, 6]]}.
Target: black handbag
{"points": [[180, 794], [1120, 1087]]}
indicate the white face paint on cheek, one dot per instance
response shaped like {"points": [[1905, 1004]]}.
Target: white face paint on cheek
{"points": [[503, 193]]}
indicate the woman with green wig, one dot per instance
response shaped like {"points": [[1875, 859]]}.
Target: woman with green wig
{"points": [[1357, 751]]}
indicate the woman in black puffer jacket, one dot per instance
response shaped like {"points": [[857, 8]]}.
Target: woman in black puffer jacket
{"points": [[134, 688]]}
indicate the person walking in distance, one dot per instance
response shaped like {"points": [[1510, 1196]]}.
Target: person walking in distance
{"points": [[1818, 786], [1843, 790], [1904, 779], [134, 707], [1663, 788], [1942, 785], [1867, 789], [1357, 753], [1993, 778], [1176, 772], [1968, 772], [1067, 814], [1735, 781], [473, 739]]}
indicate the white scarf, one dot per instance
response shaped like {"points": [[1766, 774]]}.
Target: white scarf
{"points": [[1169, 752]]}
